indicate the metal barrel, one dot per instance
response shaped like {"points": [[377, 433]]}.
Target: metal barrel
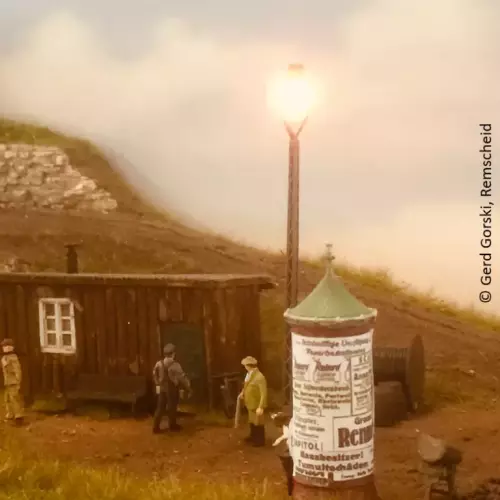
{"points": [[391, 406], [405, 365]]}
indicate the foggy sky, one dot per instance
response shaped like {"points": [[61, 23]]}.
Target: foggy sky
{"points": [[390, 168]]}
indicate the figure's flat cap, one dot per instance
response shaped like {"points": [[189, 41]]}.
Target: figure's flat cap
{"points": [[7, 342], [249, 360], [169, 349]]}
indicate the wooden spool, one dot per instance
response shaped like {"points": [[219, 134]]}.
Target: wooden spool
{"points": [[405, 365]]}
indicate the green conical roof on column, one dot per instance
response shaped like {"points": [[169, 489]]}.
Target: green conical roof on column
{"points": [[329, 302]]}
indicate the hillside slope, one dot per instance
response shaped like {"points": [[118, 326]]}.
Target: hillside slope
{"points": [[86, 158], [138, 239]]}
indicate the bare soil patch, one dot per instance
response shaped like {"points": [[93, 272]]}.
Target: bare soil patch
{"points": [[216, 453]]}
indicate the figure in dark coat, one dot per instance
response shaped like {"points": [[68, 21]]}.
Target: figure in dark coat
{"points": [[169, 379]]}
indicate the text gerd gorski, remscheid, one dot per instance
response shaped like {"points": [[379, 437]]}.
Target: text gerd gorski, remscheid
{"points": [[486, 213]]}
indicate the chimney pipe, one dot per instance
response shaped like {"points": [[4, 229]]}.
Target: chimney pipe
{"points": [[71, 259]]}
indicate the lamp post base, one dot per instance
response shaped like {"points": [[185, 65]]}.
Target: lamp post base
{"points": [[362, 492]]}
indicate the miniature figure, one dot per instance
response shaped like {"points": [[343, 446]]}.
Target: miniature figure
{"points": [[12, 377], [254, 395], [169, 378], [287, 433], [284, 421]]}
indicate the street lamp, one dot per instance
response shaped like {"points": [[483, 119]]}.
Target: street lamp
{"points": [[292, 96]]}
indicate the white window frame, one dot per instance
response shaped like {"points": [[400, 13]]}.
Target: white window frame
{"points": [[59, 348]]}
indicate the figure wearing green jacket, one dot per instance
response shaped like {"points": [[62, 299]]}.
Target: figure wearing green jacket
{"points": [[254, 395], [12, 377]]}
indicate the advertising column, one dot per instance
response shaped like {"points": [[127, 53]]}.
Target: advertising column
{"points": [[332, 430]]}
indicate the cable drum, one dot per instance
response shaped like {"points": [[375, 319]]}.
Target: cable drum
{"points": [[405, 365]]}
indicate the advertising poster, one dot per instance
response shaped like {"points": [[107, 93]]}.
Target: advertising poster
{"points": [[333, 408]]}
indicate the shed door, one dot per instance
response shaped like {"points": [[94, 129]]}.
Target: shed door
{"points": [[190, 352]]}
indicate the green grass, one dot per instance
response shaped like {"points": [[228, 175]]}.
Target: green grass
{"points": [[446, 388], [31, 479], [382, 280], [443, 390]]}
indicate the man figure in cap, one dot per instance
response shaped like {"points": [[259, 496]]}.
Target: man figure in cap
{"points": [[254, 395], [12, 377], [169, 378]]}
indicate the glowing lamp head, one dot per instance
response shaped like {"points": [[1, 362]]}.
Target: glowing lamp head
{"points": [[292, 94]]}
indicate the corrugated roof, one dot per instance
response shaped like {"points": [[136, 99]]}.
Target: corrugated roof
{"points": [[172, 280]]}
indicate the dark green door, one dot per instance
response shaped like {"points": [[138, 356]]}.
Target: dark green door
{"points": [[190, 348]]}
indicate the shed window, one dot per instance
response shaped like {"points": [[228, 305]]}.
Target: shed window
{"points": [[57, 326]]}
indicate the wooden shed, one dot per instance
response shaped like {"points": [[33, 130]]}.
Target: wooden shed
{"points": [[108, 324]]}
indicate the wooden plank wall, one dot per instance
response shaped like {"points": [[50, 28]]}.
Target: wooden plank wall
{"points": [[236, 325], [117, 329], [249, 321]]}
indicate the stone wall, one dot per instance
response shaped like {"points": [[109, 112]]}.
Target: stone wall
{"points": [[42, 177], [9, 264]]}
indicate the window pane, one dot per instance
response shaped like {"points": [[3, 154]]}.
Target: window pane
{"points": [[65, 310], [50, 310], [51, 339], [66, 340], [50, 324], [66, 325]]}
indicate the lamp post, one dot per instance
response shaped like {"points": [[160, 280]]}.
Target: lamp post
{"points": [[293, 96], [292, 240]]}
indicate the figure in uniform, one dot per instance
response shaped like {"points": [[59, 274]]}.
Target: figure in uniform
{"points": [[169, 379], [254, 395], [12, 377]]}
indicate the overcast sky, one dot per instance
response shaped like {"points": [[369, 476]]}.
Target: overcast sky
{"points": [[390, 165]]}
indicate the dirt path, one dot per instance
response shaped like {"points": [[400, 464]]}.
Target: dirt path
{"points": [[216, 452]]}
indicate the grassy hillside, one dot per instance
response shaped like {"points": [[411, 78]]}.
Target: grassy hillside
{"points": [[85, 157], [457, 340]]}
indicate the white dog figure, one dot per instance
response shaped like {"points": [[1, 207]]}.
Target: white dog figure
{"points": [[287, 434]]}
